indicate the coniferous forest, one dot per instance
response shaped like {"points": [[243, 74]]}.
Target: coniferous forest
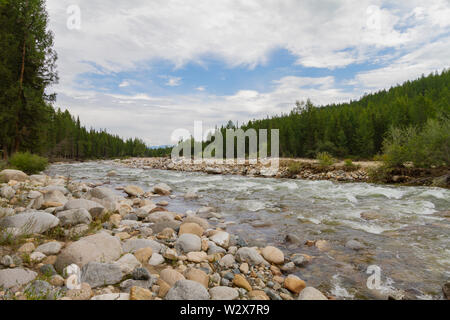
{"points": [[358, 128], [28, 119]]}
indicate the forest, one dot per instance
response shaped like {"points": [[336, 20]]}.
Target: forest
{"points": [[29, 122]]}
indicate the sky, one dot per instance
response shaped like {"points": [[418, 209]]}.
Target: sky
{"points": [[145, 68]]}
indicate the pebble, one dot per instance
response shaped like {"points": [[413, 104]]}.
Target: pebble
{"points": [[84, 293], [198, 276], [310, 293], [138, 293], [244, 268], [294, 284], [170, 276], [141, 274], [224, 293], [241, 282], [26, 248], [156, 260], [197, 257], [273, 255]]}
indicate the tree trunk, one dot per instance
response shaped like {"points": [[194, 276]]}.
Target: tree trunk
{"points": [[22, 70]]}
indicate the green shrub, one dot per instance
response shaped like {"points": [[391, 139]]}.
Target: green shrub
{"points": [[349, 163], [424, 148], [3, 165], [28, 163], [295, 167], [325, 159]]}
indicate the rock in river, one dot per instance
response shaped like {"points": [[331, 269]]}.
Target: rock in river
{"points": [[310, 293], [250, 255], [273, 255]]}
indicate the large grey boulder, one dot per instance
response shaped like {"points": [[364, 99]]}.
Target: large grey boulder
{"points": [[100, 247], [30, 222], [132, 245], [187, 290], [101, 193], [10, 278], [250, 255], [55, 196], [188, 243], [95, 209], [8, 175], [74, 217], [98, 274]]}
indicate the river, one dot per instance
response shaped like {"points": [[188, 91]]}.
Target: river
{"points": [[407, 236]]}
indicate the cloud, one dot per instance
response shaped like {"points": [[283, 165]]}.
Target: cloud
{"points": [[201, 89], [173, 81], [155, 118], [124, 84]]}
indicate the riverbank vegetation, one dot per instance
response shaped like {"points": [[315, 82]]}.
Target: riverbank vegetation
{"points": [[29, 123]]}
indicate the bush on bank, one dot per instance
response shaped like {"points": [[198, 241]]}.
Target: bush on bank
{"points": [[424, 148], [28, 163]]}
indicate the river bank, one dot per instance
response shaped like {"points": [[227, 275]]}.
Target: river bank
{"points": [[307, 169], [68, 240]]}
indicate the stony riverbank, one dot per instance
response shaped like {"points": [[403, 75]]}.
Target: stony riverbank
{"points": [[308, 170], [65, 240]]}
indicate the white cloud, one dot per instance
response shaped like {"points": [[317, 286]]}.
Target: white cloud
{"points": [[124, 84], [173, 81], [406, 38], [155, 118]]}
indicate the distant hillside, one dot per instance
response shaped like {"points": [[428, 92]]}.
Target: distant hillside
{"points": [[357, 129]]}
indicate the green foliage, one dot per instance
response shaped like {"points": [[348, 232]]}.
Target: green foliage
{"points": [[325, 159], [427, 147], [28, 163], [380, 174], [349, 163], [294, 167]]}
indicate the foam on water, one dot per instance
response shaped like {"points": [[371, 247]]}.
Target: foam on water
{"points": [[338, 291]]}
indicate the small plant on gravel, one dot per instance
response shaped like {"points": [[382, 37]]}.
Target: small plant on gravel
{"points": [[325, 159], [350, 166], [294, 167]]}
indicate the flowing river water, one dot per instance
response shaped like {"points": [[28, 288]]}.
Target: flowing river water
{"points": [[407, 237]]}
